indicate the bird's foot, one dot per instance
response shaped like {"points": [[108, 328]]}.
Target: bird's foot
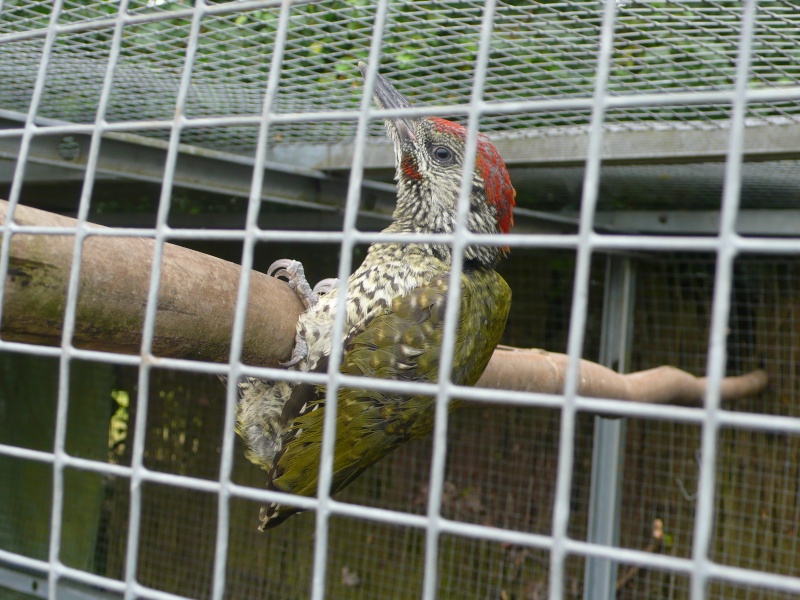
{"points": [[292, 271], [326, 285], [299, 353]]}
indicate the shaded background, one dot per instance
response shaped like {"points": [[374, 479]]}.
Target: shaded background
{"points": [[658, 176]]}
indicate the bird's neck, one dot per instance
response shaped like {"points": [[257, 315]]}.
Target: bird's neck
{"points": [[478, 256], [423, 210]]}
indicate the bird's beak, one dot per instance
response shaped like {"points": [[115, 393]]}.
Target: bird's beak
{"points": [[400, 129]]}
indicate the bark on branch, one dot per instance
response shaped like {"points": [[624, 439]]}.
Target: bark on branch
{"points": [[195, 312], [194, 318], [535, 370]]}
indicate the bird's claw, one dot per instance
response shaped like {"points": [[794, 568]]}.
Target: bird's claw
{"points": [[326, 285], [280, 268], [299, 353], [292, 271]]}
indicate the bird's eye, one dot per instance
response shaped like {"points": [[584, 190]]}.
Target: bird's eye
{"points": [[442, 154]]}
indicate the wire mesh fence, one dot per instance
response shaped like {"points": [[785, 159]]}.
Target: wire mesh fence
{"points": [[126, 477], [544, 50]]}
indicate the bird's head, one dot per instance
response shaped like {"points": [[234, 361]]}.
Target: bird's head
{"points": [[429, 154]]}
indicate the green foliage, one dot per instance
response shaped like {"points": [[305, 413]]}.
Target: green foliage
{"points": [[544, 49], [118, 426]]}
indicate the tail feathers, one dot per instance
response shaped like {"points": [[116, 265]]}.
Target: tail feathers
{"points": [[273, 514]]}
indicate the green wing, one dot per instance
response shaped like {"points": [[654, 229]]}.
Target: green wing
{"points": [[403, 343]]}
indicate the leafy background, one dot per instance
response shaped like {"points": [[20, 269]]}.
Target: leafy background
{"points": [[543, 49]]}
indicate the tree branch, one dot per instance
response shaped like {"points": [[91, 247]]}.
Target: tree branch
{"points": [[196, 301], [535, 370]]}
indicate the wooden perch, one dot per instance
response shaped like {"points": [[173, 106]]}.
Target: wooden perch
{"points": [[195, 312], [196, 302], [535, 370]]}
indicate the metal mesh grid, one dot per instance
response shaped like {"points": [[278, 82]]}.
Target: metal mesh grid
{"points": [[545, 50], [439, 523]]}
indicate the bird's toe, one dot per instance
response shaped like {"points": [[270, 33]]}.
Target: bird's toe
{"points": [[294, 274], [326, 285]]}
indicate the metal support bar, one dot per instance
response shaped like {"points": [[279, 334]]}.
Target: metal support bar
{"points": [[37, 586], [609, 434], [140, 158], [764, 141], [143, 159], [783, 222]]}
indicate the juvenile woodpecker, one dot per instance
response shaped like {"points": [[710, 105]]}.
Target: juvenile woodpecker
{"points": [[394, 318]]}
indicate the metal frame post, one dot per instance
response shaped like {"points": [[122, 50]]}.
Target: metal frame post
{"points": [[609, 433]]}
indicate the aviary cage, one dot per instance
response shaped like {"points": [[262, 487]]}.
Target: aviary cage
{"points": [[654, 147]]}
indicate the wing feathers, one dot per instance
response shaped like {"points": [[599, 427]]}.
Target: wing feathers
{"points": [[401, 343]]}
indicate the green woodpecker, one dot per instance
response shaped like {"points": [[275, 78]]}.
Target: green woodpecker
{"points": [[394, 318]]}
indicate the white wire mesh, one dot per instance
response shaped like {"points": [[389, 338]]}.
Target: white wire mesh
{"points": [[539, 51], [268, 62]]}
